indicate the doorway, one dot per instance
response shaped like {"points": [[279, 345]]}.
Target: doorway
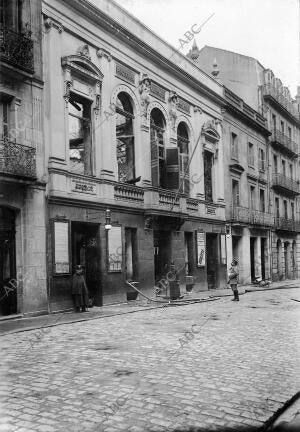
{"points": [[286, 260], [189, 253], [8, 284], [86, 252], [162, 253], [252, 258], [263, 257], [212, 260]]}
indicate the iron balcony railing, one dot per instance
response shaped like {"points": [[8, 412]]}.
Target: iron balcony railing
{"points": [[280, 98], [16, 49], [283, 182], [17, 159], [284, 141], [286, 224], [248, 216]]}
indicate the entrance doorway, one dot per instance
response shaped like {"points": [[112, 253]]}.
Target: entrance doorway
{"points": [[8, 285], [212, 260], [86, 252], [263, 257], [162, 253], [189, 253], [252, 258], [286, 259]]}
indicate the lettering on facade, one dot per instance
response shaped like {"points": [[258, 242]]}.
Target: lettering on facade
{"points": [[183, 106], [83, 187], [125, 73], [210, 210], [157, 91]]}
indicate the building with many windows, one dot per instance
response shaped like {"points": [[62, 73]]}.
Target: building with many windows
{"points": [[134, 152], [22, 174], [265, 93]]}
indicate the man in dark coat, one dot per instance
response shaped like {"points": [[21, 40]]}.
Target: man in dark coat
{"points": [[233, 279], [79, 290]]}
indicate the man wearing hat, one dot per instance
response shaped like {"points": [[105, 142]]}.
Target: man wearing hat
{"points": [[233, 279], [79, 290]]}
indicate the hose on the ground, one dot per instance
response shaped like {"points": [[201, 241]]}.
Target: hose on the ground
{"points": [[166, 302]]}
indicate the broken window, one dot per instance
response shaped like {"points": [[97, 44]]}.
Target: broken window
{"points": [[80, 136], [125, 139], [183, 146], [158, 162]]}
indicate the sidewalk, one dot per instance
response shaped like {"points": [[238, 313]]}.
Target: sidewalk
{"points": [[19, 323]]}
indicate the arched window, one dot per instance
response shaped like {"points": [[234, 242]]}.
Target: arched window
{"points": [[183, 148], [158, 157], [125, 139]]}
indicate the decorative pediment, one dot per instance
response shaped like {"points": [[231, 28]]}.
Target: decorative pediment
{"points": [[236, 168], [82, 65], [210, 132]]}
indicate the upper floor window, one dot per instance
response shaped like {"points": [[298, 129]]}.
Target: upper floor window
{"points": [[4, 118], [262, 161], [262, 204], [275, 161], [234, 146], [285, 209], [125, 139], [291, 171], [208, 184], [252, 197], [289, 132], [250, 154], [158, 157], [183, 148], [277, 209], [235, 192], [11, 14], [282, 126], [80, 137], [293, 211], [274, 121], [283, 167]]}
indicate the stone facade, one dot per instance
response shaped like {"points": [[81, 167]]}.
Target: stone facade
{"points": [[22, 169]]}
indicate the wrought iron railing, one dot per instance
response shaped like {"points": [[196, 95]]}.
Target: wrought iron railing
{"points": [[282, 139], [287, 224], [127, 192], [277, 94], [16, 49], [280, 180], [17, 159], [249, 216]]}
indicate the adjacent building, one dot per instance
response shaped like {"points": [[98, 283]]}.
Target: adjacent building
{"points": [[265, 93], [134, 151], [22, 175]]}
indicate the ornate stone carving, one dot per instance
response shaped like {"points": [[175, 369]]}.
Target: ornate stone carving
{"points": [[84, 51], [68, 85], [197, 109], [50, 23], [144, 90], [101, 52], [173, 103]]}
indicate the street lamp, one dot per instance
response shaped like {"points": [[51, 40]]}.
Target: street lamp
{"points": [[107, 220]]}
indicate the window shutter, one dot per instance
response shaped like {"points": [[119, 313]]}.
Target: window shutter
{"points": [[172, 163], [154, 158]]}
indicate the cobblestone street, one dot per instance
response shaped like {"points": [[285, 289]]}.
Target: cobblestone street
{"points": [[210, 365]]}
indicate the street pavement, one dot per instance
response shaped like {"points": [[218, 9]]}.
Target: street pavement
{"points": [[206, 366]]}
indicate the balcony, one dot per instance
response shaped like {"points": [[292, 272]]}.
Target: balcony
{"points": [[17, 159], [16, 49], [285, 184], [128, 192], [244, 215], [276, 95], [286, 224], [282, 141]]}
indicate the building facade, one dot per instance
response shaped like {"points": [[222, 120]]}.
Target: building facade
{"points": [[23, 286], [133, 142], [266, 94]]}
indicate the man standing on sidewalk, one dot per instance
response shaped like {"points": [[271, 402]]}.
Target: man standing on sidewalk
{"points": [[233, 279]]}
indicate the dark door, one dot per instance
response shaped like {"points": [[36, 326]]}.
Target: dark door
{"points": [[263, 258], [212, 260], [162, 253], [86, 252], [8, 284], [252, 257]]}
